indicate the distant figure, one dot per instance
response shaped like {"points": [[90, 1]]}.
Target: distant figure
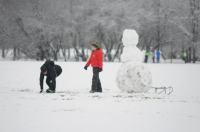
{"points": [[51, 71], [147, 56], [184, 56], [158, 55], [96, 61]]}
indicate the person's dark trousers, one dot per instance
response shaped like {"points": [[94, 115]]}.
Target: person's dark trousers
{"points": [[146, 59], [51, 83], [96, 83], [153, 59]]}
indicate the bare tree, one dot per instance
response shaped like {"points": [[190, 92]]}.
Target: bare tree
{"points": [[194, 20]]}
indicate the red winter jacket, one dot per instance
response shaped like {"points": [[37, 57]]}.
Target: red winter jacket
{"points": [[96, 59]]}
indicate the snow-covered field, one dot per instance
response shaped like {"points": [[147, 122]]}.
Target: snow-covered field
{"points": [[73, 109]]}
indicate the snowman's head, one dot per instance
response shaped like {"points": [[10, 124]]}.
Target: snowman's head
{"points": [[130, 37]]}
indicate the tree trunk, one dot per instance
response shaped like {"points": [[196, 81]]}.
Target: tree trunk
{"points": [[18, 53], [3, 52], [64, 54], [171, 53], [194, 9], [55, 55], [14, 53], [194, 56], [83, 55], [69, 53], [117, 53]]}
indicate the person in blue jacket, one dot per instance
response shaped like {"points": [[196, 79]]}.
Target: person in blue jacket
{"points": [[158, 54]]}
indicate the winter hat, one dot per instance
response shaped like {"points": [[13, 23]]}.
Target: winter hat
{"points": [[96, 45]]}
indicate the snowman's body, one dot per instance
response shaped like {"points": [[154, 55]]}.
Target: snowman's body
{"points": [[131, 54], [133, 75]]}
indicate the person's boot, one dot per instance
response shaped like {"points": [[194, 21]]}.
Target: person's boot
{"points": [[92, 91], [99, 91], [50, 91]]}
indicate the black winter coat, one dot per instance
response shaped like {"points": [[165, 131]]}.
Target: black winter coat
{"points": [[53, 71]]}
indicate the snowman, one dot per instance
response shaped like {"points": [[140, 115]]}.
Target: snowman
{"points": [[133, 76]]}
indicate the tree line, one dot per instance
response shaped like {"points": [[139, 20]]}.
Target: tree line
{"points": [[63, 29]]}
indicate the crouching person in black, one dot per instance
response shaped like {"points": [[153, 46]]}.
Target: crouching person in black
{"points": [[51, 71]]}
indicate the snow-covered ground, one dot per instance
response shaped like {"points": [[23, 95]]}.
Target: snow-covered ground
{"points": [[73, 109]]}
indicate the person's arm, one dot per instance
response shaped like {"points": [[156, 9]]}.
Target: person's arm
{"points": [[89, 61], [41, 81]]}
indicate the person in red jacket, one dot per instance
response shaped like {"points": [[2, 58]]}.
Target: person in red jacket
{"points": [[96, 61]]}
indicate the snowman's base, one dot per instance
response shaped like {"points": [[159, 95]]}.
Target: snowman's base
{"points": [[134, 78]]}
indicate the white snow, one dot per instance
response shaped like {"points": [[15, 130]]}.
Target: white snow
{"points": [[73, 109], [133, 75], [130, 50]]}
